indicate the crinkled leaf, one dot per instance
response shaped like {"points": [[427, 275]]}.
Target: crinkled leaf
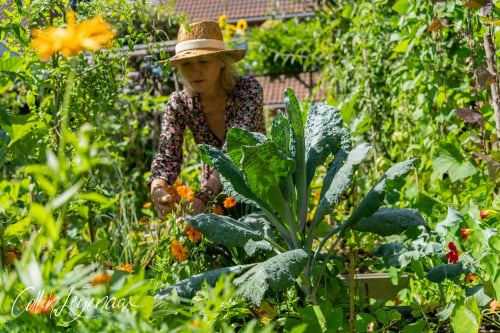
{"points": [[387, 222], [447, 271], [374, 199], [223, 164], [187, 288], [453, 218], [223, 229], [341, 180], [297, 152], [280, 133], [267, 171], [324, 136], [277, 273], [259, 222], [425, 247], [236, 138], [388, 249]]}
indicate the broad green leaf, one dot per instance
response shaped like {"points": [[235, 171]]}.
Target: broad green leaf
{"points": [[143, 304], [223, 229], [187, 288], [402, 46], [453, 218], [20, 131], [362, 321], [333, 167], [258, 222], [466, 318], [277, 273], [267, 171], [387, 222], [236, 138], [448, 159], [447, 271], [446, 312], [401, 6], [371, 203], [17, 230], [341, 180], [478, 292], [494, 242], [297, 152], [223, 164], [280, 133], [324, 136], [416, 327]]}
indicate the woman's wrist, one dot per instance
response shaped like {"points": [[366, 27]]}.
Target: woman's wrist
{"points": [[205, 194]]}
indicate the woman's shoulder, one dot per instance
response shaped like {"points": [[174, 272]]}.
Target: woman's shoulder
{"points": [[248, 83]]}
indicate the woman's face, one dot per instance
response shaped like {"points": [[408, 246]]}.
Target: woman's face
{"points": [[202, 73]]}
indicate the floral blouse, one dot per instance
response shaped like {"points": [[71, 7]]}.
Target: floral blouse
{"points": [[243, 109]]}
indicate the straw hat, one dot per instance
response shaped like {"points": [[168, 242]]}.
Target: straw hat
{"points": [[205, 37]]}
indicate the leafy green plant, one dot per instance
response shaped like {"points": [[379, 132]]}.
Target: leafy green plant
{"points": [[274, 174]]}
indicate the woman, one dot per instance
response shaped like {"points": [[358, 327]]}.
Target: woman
{"points": [[214, 100]]}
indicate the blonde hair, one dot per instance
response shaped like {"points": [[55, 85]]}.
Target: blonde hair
{"points": [[228, 76]]}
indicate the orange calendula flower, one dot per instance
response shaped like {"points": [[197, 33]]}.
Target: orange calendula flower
{"points": [[494, 305], [453, 254], [89, 34], [486, 213], [101, 279], [229, 202], [470, 277], [144, 220], [42, 306], [147, 205], [126, 268], [185, 192], [179, 251], [194, 234], [465, 232], [218, 210]]}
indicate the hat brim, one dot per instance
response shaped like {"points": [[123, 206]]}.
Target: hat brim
{"points": [[236, 54]]}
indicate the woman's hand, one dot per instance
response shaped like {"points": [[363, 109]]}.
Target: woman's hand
{"points": [[164, 202], [194, 207]]}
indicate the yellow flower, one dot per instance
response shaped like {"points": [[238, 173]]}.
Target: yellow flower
{"points": [[229, 202], [147, 205], [185, 192], [89, 34], [126, 268], [222, 20], [101, 278], [218, 210], [179, 251], [194, 234]]}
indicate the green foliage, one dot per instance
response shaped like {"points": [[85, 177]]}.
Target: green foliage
{"points": [[265, 176]]}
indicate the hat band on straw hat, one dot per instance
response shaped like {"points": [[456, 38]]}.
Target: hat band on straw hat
{"points": [[199, 44]]}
